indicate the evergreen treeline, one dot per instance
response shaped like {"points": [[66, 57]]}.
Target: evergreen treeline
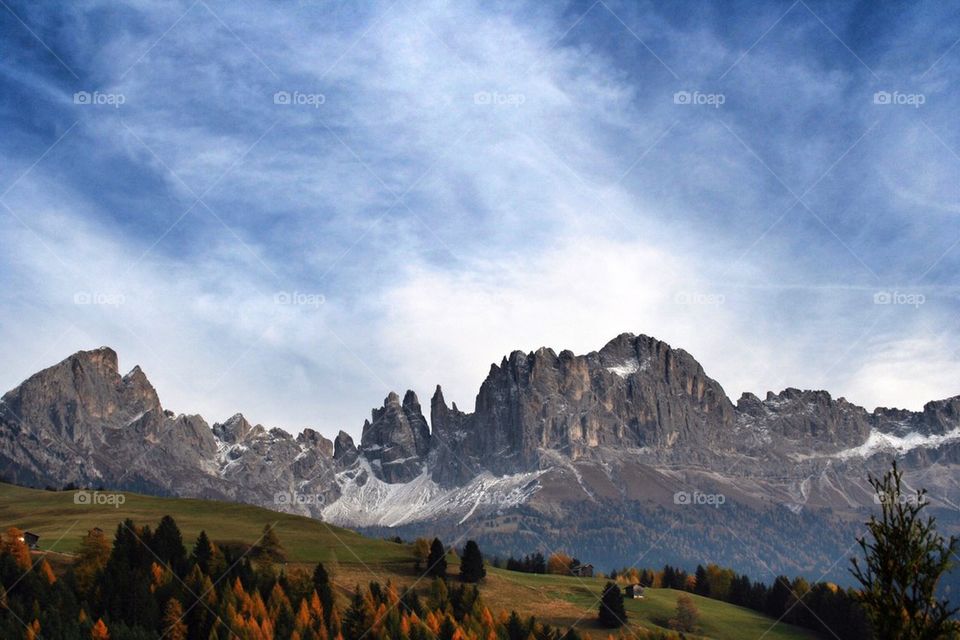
{"points": [[532, 563], [146, 585], [825, 608]]}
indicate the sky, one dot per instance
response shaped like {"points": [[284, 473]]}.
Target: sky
{"points": [[289, 209]]}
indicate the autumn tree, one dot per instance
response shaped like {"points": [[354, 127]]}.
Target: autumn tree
{"points": [[99, 631], [904, 560], [612, 613], [46, 571], [94, 553], [14, 546], [559, 563], [174, 627], [686, 616], [421, 551], [471, 565]]}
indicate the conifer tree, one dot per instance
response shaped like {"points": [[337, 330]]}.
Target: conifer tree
{"points": [[167, 543], [268, 549], [437, 560], [203, 552], [904, 559], [471, 564], [321, 584], [612, 613]]}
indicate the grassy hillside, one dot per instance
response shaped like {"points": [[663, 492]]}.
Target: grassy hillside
{"points": [[354, 559]]}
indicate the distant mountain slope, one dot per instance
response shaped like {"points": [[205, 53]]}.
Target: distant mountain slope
{"points": [[596, 453]]}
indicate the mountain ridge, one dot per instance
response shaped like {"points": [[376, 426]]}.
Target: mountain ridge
{"points": [[626, 428]]}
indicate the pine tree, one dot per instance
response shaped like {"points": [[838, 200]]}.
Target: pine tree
{"points": [[903, 563], [203, 552], [516, 630], [448, 629], [167, 543], [471, 565], [702, 586], [778, 597], [269, 549], [612, 613], [437, 560], [359, 618], [321, 584]]}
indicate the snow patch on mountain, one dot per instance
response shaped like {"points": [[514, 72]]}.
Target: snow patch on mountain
{"points": [[625, 369], [887, 442], [365, 500]]}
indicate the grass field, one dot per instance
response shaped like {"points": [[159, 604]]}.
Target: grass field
{"points": [[356, 560]]}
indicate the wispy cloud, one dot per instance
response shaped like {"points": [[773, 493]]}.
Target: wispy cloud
{"points": [[434, 184]]}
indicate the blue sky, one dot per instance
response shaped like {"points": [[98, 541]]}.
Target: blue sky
{"points": [[289, 209]]}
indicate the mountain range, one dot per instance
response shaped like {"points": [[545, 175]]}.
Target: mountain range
{"points": [[626, 455]]}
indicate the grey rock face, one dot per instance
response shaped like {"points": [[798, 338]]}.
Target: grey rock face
{"points": [[635, 393], [455, 457], [811, 420], [80, 422], [549, 431], [344, 451], [396, 440]]}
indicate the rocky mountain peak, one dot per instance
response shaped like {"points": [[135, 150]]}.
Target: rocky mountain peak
{"points": [[81, 397], [316, 441], [410, 399], [941, 416], [235, 429], [104, 358], [396, 440], [344, 450], [810, 419]]}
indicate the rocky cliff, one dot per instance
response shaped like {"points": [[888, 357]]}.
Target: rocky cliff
{"points": [[630, 424]]}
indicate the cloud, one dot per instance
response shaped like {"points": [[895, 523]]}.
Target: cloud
{"points": [[475, 180]]}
